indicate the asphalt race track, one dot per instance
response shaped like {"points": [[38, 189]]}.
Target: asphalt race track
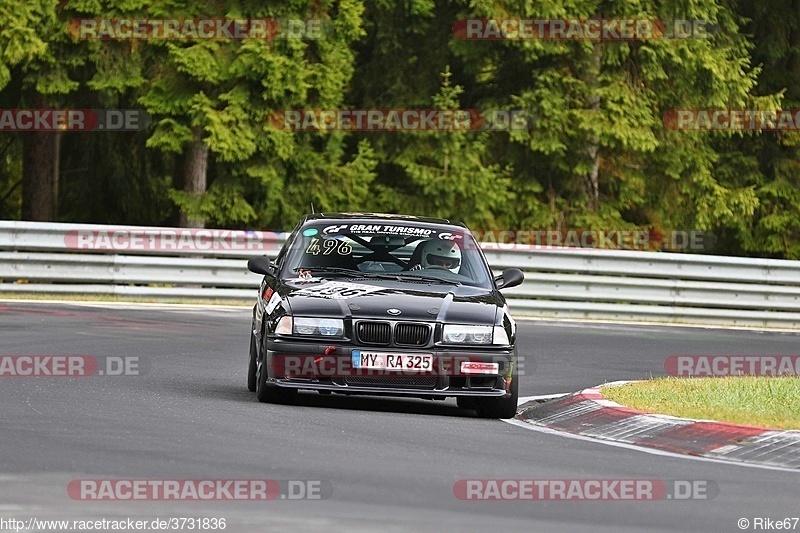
{"points": [[392, 463]]}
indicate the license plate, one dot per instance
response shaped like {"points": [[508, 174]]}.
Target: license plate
{"points": [[392, 361]]}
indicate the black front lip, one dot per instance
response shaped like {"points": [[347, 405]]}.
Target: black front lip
{"points": [[386, 391]]}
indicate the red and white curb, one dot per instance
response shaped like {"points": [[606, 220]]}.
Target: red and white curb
{"points": [[589, 414]]}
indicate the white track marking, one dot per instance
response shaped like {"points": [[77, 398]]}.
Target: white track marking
{"points": [[526, 399], [652, 451]]}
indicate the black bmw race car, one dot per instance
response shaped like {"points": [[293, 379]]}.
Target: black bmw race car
{"points": [[384, 305]]}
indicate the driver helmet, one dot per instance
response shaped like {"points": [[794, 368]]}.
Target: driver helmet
{"points": [[438, 253]]}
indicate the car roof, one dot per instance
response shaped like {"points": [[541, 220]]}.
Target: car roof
{"points": [[372, 217]]}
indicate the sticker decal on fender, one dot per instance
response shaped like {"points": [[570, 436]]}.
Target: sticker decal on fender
{"points": [[273, 303]]}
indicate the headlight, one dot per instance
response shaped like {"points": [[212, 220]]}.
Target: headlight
{"points": [[500, 336], [320, 327], [284, 326], [456, 334]]}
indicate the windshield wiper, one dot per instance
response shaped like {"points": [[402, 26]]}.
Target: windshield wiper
{"points": [[430, 279], [338, 270], [349, 272]]}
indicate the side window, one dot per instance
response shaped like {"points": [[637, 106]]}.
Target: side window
{"points": [[279, 260]]}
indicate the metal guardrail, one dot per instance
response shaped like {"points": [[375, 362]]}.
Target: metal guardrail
{"points": [[560, 282]]}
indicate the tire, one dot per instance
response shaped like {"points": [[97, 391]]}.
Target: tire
{"points": [[267, 393], [505, 407], [252, 366]]}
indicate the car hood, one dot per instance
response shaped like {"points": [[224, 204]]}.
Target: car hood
{"points": [[370, 298]]}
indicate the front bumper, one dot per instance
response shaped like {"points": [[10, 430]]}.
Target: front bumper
{"points": [[326, 367]]}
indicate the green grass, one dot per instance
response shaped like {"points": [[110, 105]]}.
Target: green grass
{"points": [[772, 402]]}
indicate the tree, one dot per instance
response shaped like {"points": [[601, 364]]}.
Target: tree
{"points": [[773, 158], [405, 63], [35, 44], [211, 101], [447, 173], [600, 138]]}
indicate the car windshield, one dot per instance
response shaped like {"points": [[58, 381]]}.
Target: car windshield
{"points": [[404, 251]]}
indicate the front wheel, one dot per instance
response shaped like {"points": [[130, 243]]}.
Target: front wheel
{"points": [[271, 393], [251, 367], [505, 407]]}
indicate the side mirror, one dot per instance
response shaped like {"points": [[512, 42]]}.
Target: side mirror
{"points": [[511, 277], [261, 265]]}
